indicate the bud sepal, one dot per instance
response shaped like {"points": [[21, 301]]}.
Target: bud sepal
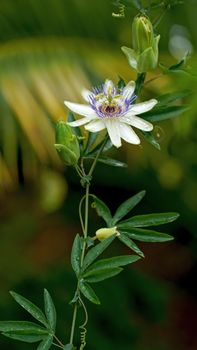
{"points": [[144, 55], [67, 144]]}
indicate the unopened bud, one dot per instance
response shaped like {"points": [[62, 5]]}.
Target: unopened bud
{"points": [[144, 55], [142, 33], [66, 144], [105, 232]]}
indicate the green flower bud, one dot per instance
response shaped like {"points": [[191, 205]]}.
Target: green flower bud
{"points": [[144, 55], [66, 144], [105, 232], [142, 33]]}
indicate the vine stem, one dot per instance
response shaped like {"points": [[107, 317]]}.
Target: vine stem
{"points": [[73, 323], [58, 341], [154, 78], [85, 233]]}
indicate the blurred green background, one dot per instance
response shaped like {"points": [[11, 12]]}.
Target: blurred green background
{"points": [[49, 50]]}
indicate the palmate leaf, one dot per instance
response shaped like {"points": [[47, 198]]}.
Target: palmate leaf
{"points": [[127, 206], [12, 326], [151, 139], [88, 292], [76, 254], [30, 307], [130, 244], [46, 343], [160, 114], [94, 252], [101, 274], [148, 220], [165, 99], [143, 235], [109, 161], [102, 210], [22, 328], [116, 261], [27, 338], [50, 310]]}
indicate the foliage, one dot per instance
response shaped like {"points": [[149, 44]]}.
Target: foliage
{"points": [[86, 250]]}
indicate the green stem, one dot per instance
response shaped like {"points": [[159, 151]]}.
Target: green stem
{"points": [[154, 78], [86, 222], [78, 170], [59, 342], [85, 231], [73, 324], [97, 156]]}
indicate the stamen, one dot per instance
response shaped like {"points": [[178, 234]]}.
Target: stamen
{"points": [[115, 104]]}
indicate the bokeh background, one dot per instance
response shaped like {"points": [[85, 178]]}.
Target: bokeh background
{"points": [[49, 50]]}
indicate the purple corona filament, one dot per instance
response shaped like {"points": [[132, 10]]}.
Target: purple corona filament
{"points": [[110, 101]]}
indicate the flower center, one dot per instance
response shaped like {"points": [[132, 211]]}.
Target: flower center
{"points": [[110, 102], [109, 109]]}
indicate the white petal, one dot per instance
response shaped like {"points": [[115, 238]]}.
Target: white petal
{"points": [[137, 122], [81, 109], [129, 90], [79, 122], [113, 130], [86, 94], [108, 87], [128, 134], [95, 125], [143, 107]]}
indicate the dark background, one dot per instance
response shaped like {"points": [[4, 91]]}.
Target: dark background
{"points": [[49, 50]]}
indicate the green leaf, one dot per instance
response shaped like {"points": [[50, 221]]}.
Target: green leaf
{"points": [[94, 252], [148, 220], [101, 275], [76, 254], [110, 161], [129, 243], [50, 310], [159, 114], [165, 99], [102, 210], [151, 139], [46, 343], [92, 136], [88, 292], [127, 206], [116, 261], [27, 338], [22, 327], [69, 347], [175, 68], [147, 235], [30, 307], [177, 65]]}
